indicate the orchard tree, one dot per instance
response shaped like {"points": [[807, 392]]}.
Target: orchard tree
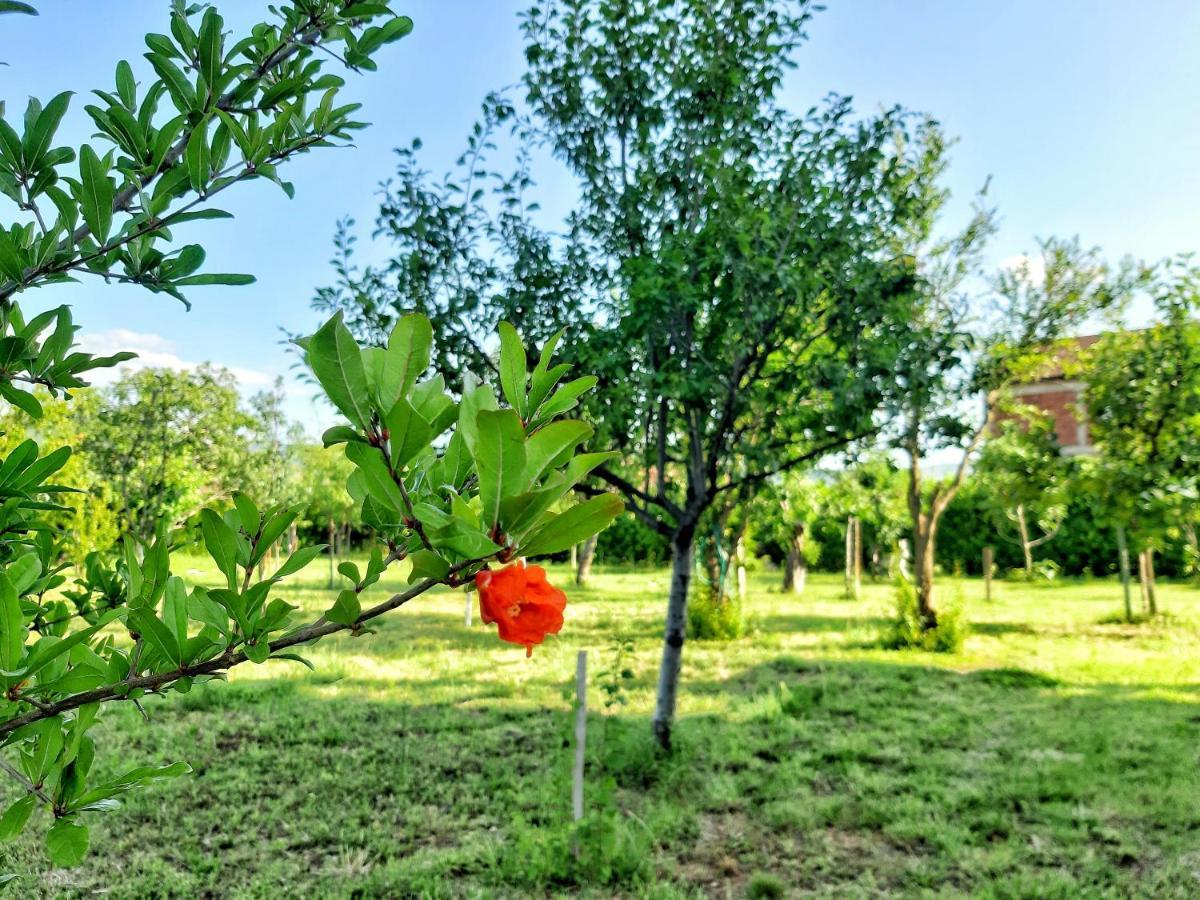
{"points": [[433, 475], [726, 270], [966, 348], [1028, 481], [1143, 406], [322, 496], [168, 442]]}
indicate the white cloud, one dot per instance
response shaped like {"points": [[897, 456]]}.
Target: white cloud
{"points": [[153, 351], [1034, 267]]}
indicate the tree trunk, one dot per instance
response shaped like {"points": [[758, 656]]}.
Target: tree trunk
{"points": [[1026, 547], [587, 552], [712, 570], [676, 627], [1150, 586], [924, 548], [1123, 563], [332, 550], [795, 568], [1144, 581]]}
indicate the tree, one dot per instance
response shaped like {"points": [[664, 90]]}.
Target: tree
{"points": [[1028, 481], [169, 442], [1143, 404], [431, 475], [724, 258], [323, 498], [967, 347]]}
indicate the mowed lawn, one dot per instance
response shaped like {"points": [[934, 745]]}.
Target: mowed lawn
{"points": [[1055, 756]]}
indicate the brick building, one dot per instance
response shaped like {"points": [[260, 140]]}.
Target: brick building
{"points": [[1062, 398]]}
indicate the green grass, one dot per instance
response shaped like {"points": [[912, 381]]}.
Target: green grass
{"points": [[1055, 756]]}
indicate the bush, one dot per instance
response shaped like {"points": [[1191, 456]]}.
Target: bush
{"points": [[712, 620], [907, 631]]}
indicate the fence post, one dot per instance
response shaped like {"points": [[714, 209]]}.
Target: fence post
{"points": [[580, 734], [987, 573], [469, 610]]}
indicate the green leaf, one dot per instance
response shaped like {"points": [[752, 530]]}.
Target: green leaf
{"points": [[405, 359], [341, 434], [22, 400], [408, 433], [378, 479], [208, 279], [210, 46], [512, 368], [197, 158], [221, 543], [548, 446], [464, 540], [155, 634], [37, 139], [567, 396], [427, 564], [16, 817], [15, 6], [12, 626], [67, 842], [573, 526], [499, 459], [345, 610], [95, 193], [337, 362], [126, 85], [298, 561]]}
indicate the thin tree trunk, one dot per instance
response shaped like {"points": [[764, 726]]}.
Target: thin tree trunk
{"points": [[712, 570], [1123, 563], [1150, 585], [1143, 581], [332, 550], [795, 569], [587, 552], [1026, 547], [672, 657], [924, 549]]}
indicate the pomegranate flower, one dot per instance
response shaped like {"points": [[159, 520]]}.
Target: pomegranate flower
{"points": [[524, 606]]}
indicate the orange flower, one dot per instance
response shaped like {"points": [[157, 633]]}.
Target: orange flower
{"points": [[524, 606]]}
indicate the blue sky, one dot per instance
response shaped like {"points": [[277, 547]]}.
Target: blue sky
{"points": [[1081, 111]]}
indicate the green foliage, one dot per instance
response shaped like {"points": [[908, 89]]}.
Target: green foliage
{"points": [[630, 541], [909, 630], [216, 115], [715, 619]]}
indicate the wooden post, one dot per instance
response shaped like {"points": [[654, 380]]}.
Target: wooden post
{"points": [[580, 735], [1143, 584], [740, 555], [987, 574], [1123, 561], [469, 611], [858, 557], [1150, 595], [853, 557]]}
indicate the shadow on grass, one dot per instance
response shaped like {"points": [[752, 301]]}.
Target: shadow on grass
{"points": [[832, 775]]}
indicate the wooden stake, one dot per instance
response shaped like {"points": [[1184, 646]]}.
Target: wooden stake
{"points": [[469, 610], [580, 734], [987, 574]]}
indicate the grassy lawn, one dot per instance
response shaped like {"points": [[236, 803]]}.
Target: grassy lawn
{"points": [[1055, 756]]}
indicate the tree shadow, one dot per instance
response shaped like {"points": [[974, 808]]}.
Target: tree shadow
{"points": [[834, 775]]}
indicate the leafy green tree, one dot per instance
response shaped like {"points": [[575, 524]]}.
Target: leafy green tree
{"points": [[451, 487], [326, 505], [965, 346], [168, 442], [722, 261], [1028, 480], [1143, 405]]}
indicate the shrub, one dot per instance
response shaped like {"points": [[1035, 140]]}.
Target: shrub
{"points": [[908, 632], [710, 619]]}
